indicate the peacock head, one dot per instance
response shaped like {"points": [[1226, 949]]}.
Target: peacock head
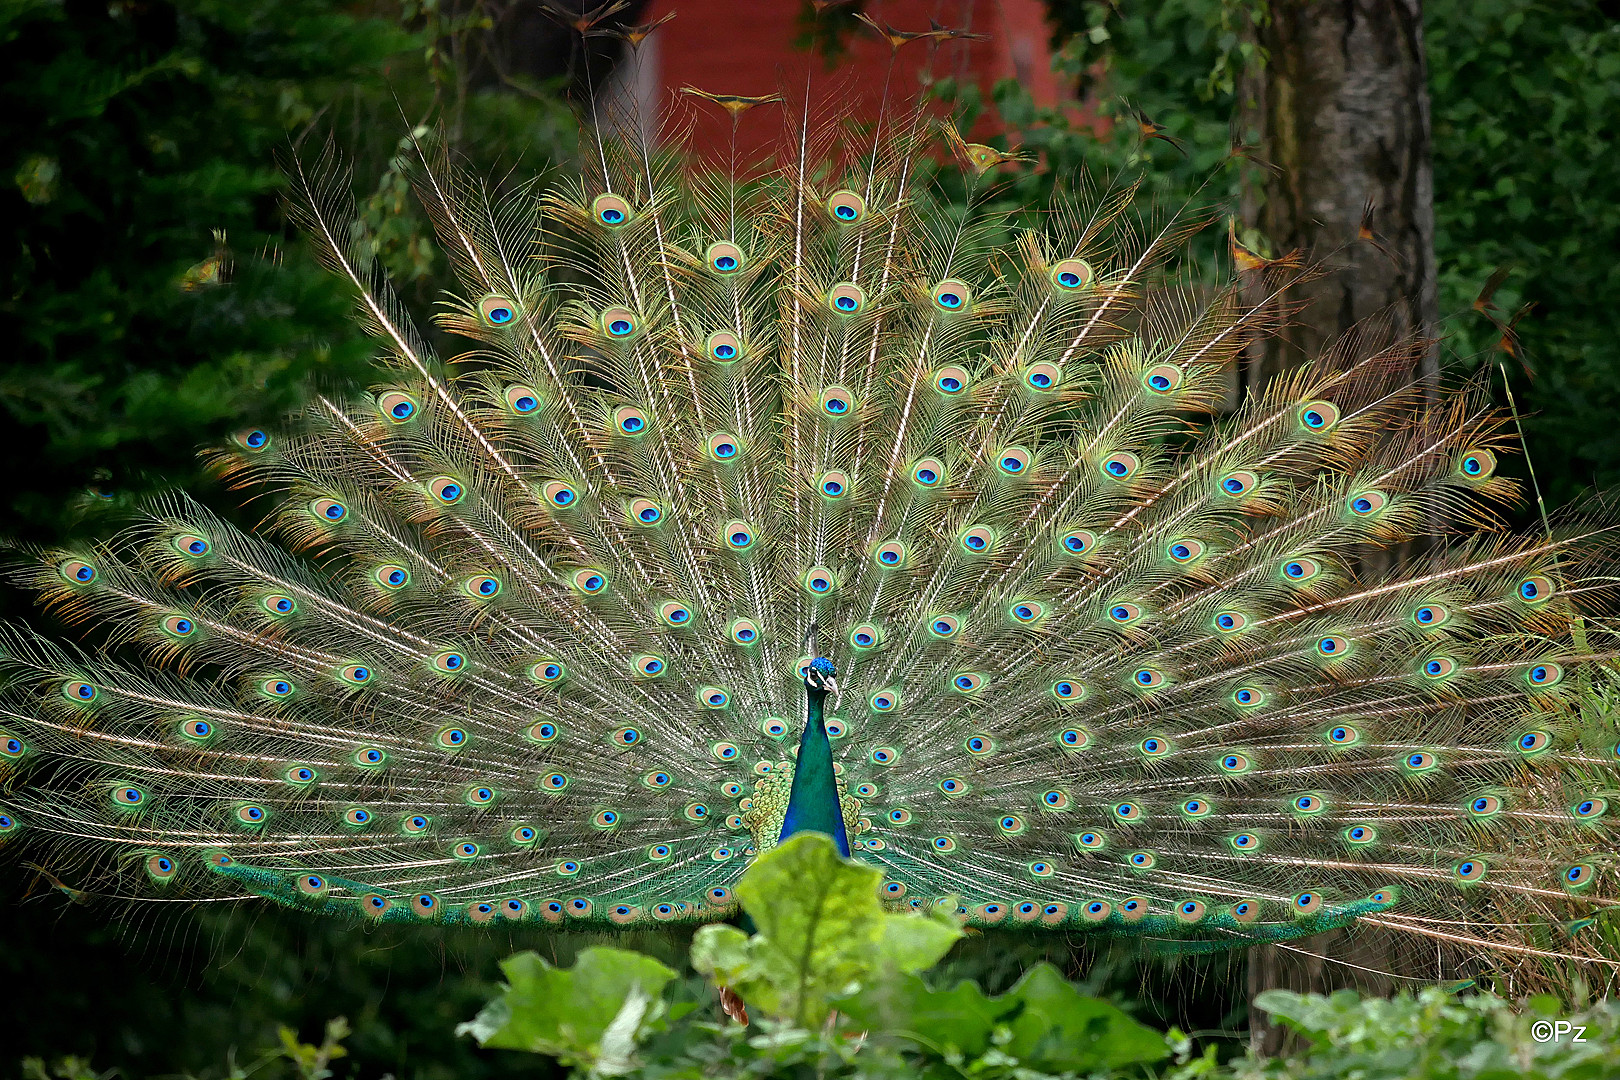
{"points": [[820, 676]]}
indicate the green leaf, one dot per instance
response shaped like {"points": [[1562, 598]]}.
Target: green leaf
{"points": [[823, 933], [592, 1014], [1048, 1024]]}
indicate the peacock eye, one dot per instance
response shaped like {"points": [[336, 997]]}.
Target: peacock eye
{"points": [[1162, 378], [629, 420], [952, 295], [1477, 464], [446, 489], [610, 210], [834, 484], [1013, 460], [77, 572], [928, 472], [724, 446], [392, 576], [645, 512], [1318, 416], [497, 310], [951, 379], [846, 298], [724, 257], [723, 347], [1240, 483], [1072, 275], [846, 207], [618, 323], [837, 401], [522, 399], [252, 440], [396, 406], [1120, 466]]}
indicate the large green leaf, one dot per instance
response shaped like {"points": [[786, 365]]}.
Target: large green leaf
{"points": [[1049, 1025], [823, 933], [590, 1015]]}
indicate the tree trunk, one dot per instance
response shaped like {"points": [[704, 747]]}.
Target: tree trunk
{"points": [[1341, 107]]}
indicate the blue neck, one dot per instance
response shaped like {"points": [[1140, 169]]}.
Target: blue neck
{"points": [[813, 802]]}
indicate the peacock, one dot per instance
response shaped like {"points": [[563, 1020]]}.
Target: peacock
{"points": [[797, 498]]}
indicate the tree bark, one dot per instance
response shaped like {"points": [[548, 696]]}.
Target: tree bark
{"points": [[1341, 107]]}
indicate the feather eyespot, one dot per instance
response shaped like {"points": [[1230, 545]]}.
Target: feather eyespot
{"points": [[1096, 911], [606, 820], [161, 868], [1544, 674], [1318, 416], [952, 295], [451, 738], [329, 510], [884, 701], [1124, 613], [358, 816], [890, 555], [1420, 762], [625, 736], [1244, 843], [1301, 569], [1162, 378], [610, 210], [1244, 911], [1186, 550], [967, 682], [543, 732], [589, 580], [1360, 835], [1196, 808], [619, 323], [1027, 612], [77, 572], [1430, 616], [546, 672], [649, 666], [1590, 809], [833, 484], [724, 446], [1134, 909], [1343, 735], [629, 420], [899, 816], [951, 379], [953, 786], [1120, 466], [191, 545], [1067, 689], [928, 473], [522, 399], [1238, 484], [251, 815], [1307, 903], [819, 581], [1533, 742], [482, 587], [846, 207], [1468, 870], [1055, 801], [1438, 667], [883, 755], [1190, 911], [1147, 678], [193, 728], [396, 406], [425, 905], [979, 745], [1127, 811], [944, 626], [1090, 841], [657, 780], [1578, 877], [369, 757], [1072, 275], [724, 257], [1484, 806], [448, 662], [253, 440], [179, 626], [1154, 746], [1010, 824], [716, 697], [743, 631], [1013, 460], [551, 783], [1536, 589], [355, 674], [846, 298], [1078, 542], [1230, 622], [977, 540], [446, 489], [1477, 464], [1043, 376], [1308, 804], [276, 688], [674, 613], [1332, 647], [645, 512], [497, 310], [1073, 738], [1366, 503], [837, 402], [128, 796], [391, 576], [1248, 697], [723, 347], [1233, 763], [866, 636]]}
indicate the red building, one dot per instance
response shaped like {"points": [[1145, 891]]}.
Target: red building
{"points": [[756, 47]]}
